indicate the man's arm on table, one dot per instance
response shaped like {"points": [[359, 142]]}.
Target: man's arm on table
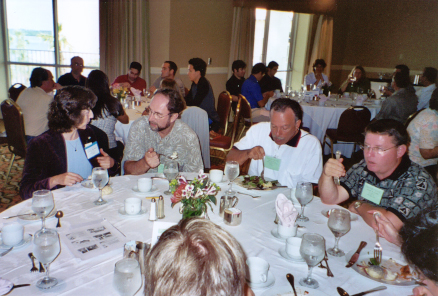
{"points": [[429, 153], [329, 192], [367, 210], [243, 155]]}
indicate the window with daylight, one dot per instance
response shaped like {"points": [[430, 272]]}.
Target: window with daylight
{"points": [[48, 33]]}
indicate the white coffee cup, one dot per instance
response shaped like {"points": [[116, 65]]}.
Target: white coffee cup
{"points": [[257, 270], [293, 245], [216, 176], [12, 234], [132, 205], [286, 231], [144, 184]]}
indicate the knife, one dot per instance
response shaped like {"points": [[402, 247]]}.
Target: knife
{"points": [[31, 214], [356, 255]]}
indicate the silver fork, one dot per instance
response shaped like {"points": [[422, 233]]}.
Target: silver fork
{"points": [[377, 247], [34, 269]]}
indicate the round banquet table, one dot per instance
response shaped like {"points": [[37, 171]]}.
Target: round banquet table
{"points": [[94, 276]]}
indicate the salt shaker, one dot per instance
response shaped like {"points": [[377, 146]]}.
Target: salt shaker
{"points": [[153, 213], [160, 208]]}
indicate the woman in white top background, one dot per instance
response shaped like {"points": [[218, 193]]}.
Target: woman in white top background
{"points": [[316, 77]]}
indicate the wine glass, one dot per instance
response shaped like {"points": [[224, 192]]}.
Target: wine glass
{"points": [[127, 277], [353, 80], [170, 172], [312, 250], [304, 195], [46, 248], [382, 89], [231, 172], [99, 177], [339, 224], [42, 204]]}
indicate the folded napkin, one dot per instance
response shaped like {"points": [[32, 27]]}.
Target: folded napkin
{"points": [[285, 210], [136, 92], [323, 98], [5, 286]]}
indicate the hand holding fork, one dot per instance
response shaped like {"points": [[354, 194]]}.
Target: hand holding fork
{"points": [[377, 247]]}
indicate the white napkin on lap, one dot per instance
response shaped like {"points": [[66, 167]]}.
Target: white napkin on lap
{"points": [[5, 286], [285, 210]]}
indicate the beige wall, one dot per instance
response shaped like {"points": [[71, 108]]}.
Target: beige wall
{"points": [[381, 34]]}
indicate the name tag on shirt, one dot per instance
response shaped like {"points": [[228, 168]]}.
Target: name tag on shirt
{"points": [[372, 193], [160, 168], [91, 149], [272, 163]]}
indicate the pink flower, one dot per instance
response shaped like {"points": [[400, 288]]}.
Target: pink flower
{"points": [[182, 180], [201, 175], [178, 194], [199, 193], [211, 190]]}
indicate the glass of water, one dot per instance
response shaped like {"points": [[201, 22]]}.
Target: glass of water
{"points": [[231, 172], [127, 277], [42, 204], [99, 177], [46, 248], [170, 172], [312, 250], [339, 223], [304, 195]]}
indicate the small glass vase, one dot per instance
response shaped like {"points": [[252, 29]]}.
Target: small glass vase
{"points": [[190, 211]]}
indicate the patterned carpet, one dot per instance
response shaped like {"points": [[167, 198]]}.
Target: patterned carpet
{"points": [[9, 192]]}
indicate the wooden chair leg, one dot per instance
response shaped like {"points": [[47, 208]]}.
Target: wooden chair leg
{"points": [[9, 168]]}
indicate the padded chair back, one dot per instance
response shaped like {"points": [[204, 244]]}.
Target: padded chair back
{"points": [[14, 126], [223, 109], [15, 90], [245, 109], [236, 123], [197, 119], [411, 117], [352, 123]]}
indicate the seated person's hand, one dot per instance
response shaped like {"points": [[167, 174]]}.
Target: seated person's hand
{"points": [[105, 161], [152, 158], [334, 168], [66, 179], [386, 229], [125, 84], [388, 93], [422, 291], [256, 153]]}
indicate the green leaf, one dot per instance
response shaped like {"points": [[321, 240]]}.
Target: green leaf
{"points": [[212, 198], [373, 261]]}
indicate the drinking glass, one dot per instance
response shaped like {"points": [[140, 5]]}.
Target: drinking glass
{"points": [[353, 80], [127, 277], [382, 90], [312, 250], [231, 172], [339, 224], [99, 177], [304, 195], [42, 204], [170, 172], [46, 248]]}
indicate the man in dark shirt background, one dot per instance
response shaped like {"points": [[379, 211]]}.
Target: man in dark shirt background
{"points": [[74, 77], [234, 84], [269, 82]]}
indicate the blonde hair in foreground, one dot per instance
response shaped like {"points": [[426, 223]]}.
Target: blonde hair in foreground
{"points": [[195, 257]]}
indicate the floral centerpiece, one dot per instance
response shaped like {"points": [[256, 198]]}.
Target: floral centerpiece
{"points": [[119, 91], [193, 195]]}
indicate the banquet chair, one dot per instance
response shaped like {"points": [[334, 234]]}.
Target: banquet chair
{"points": [[15, 90], [14, 126], [411, 117], [197, 119], [245, 114], [223, 109], [350, 129], [223, 144]]}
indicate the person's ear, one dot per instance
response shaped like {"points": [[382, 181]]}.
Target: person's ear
{"points": [[174, 117], [401, 150]]}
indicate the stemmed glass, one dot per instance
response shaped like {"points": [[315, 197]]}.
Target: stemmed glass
{"points": [[312, 250], [339, 223], [382, 90], [46, 248], [170, 172], [231, 172], [99, 177], [42, 204], [127, 277], [304, 195], [353, 80]]}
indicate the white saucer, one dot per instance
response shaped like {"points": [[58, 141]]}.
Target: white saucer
{"points": [[27, 239], [275, 234], [122, 212], [269, 282], [136, 191], [282, 252]]}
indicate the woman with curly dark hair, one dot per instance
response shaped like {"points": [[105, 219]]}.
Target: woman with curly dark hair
{"points": [[60, 157], [107, 111], [357, 81]]}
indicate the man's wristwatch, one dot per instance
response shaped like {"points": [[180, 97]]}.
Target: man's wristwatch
{"points": [[357, 204]]}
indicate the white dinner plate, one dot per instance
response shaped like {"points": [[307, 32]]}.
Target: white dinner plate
{"points": [[269, 282], [153, 191], [282, 252], [353, 217], [34, 217], [26, 240], [287, 291], [142, 212]]}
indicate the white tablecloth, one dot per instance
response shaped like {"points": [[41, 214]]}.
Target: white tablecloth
{"points": [[94, 276]]}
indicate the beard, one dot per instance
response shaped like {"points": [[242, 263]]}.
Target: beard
{"points": [[157, 127]]}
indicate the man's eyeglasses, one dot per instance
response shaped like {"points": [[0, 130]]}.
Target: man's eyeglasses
{"points": [[77, 65], [378, 150], [156, 114]]}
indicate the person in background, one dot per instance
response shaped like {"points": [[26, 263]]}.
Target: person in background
{"points": [[428, 80], [75, 76], [193, 258], [35, 100], [168, 71], [403, 69], [234, 84], [201, 93], [252, 92], [107, 111], [423, 130], [59, 157], [316, 78], [269, 83], [357, 81], [131, 79]]}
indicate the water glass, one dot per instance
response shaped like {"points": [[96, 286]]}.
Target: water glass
{"points": [[339, 223], [42, 204], [231, 172], [99, 177], [312, 250], [170, 172], [304, 195], [127, 277], [46, 248]]}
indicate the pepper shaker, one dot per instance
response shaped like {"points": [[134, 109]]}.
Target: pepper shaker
{"points": [[153, 213], [160, 208]]}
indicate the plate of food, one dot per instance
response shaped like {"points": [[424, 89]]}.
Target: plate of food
{"points": [[391, 271], [353, 217], [257, 183], [287, 291]]}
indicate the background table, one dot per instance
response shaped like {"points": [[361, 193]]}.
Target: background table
{"points": [[94, 276]]}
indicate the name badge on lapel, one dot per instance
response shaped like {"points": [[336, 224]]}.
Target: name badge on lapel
{"points": [[92, 149], [372, 193], [272, 163]]}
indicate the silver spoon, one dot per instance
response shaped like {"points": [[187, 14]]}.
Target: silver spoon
{"points": [[342, 292], [290, 278]]}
